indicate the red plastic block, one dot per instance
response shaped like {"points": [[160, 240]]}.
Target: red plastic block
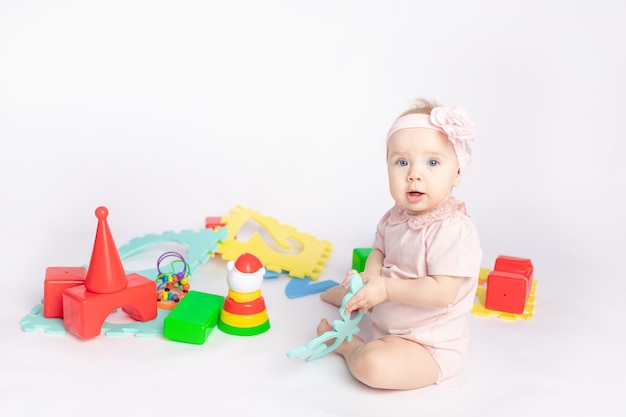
{"points": [[213, 222], [522, 266], [84, 312], [105, 274], [506, 292], [57, 279]]}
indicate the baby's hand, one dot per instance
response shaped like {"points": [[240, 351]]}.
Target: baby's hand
{"points": [[373, 292], [346, 281]]}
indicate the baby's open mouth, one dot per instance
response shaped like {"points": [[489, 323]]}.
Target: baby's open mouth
{"points": [[415, 196]]}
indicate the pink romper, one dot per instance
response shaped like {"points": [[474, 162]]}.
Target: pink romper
{"points": [[441, 242]]}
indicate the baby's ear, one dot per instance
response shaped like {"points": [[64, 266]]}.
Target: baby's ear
{"points": [[457, 180]]}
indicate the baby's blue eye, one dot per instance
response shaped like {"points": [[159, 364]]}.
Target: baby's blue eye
{"points": [[402, 163], [433, 163]]}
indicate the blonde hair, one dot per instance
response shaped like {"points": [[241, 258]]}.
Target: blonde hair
{"points": [[421, 106]]}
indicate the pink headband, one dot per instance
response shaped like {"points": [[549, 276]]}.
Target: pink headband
{"points": [[452, 121]]}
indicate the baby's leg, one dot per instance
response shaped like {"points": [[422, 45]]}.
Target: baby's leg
{"points": [[390, 363], [334, 295], [324, 326]]}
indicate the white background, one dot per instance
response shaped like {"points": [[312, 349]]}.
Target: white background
{"points": [[170, 111]]}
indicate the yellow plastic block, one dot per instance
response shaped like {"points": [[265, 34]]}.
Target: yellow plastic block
{"points": [[306, 258]]}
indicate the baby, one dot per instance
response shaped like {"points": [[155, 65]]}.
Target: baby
{"points": [[421, 275]]}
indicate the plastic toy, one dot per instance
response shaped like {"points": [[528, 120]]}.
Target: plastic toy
{"points": [[299, 287], [509, 284], [201, 246], [194, 318], [213, 222], [106, 288], [343, 329], [35, 321], [479, 307], [56, 280], [173, 285], [244, 312], [306, 258], [359, 257]]}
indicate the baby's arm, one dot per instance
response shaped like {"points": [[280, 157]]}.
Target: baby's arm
{"points": [[428, 291]]}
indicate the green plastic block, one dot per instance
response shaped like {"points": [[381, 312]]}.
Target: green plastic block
{"points": [[194, 318], [359, 257]]}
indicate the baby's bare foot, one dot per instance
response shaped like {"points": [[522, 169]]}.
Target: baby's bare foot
{"points": [[334, 295], [323, 327]]}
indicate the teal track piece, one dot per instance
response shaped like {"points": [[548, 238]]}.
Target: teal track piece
{"points": [[145, 329], [201, 245], [35, 321], [343, 329]]}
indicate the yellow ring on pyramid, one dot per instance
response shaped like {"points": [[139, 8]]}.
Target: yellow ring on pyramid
{"points": [[242, 297], [251, 320]]}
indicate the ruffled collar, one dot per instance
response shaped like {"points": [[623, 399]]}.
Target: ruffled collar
{"points": [[399, 215]]}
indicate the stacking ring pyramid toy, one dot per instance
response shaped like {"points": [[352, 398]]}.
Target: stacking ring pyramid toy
{"points": [[243, 312]]}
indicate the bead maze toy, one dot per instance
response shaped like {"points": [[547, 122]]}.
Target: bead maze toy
{"points": [[308, 259], [343, 329], [244, 312], [173, 285]]}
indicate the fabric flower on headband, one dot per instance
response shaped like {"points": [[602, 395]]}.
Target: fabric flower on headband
{"points": [[454, 122]]}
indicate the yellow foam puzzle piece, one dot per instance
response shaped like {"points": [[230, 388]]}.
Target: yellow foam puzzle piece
{"points": [[307, 258]]}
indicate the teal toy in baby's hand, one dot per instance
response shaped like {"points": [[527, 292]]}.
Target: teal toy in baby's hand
{"points": [[342, 329]]}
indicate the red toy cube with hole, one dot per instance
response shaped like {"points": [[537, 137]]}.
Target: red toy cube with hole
{"points": [[57, 279], [509, 284]]}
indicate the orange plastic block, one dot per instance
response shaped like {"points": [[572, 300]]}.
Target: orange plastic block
{"points": [[84, 312], [57, 279]]}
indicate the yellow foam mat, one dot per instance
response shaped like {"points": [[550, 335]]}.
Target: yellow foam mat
{"points": [[298, 254]]}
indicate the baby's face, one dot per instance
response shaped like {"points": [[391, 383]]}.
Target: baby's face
{"points": [[422, 169]]}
